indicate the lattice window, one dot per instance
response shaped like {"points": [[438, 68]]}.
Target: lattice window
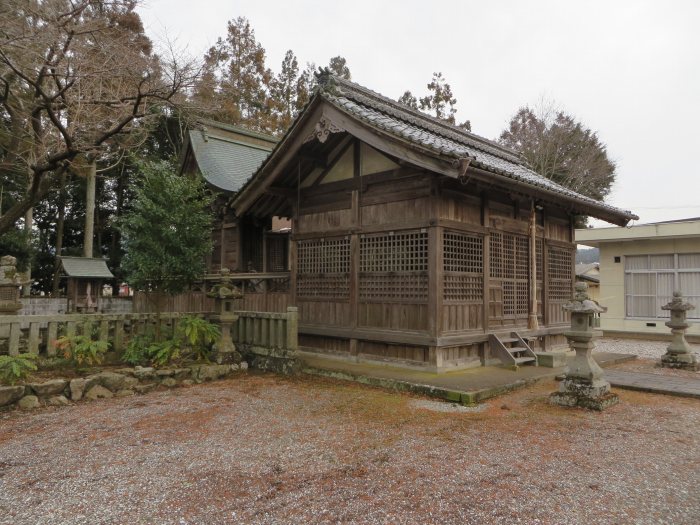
{"points": [[560, 268], [496, 252], [277, 251], [394, 266], [510, 263], [323, 268], [463, 266], [394, 252], [463, 252]]}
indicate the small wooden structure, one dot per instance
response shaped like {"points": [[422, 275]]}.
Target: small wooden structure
{"points": [[84, 279], [412, 241]]}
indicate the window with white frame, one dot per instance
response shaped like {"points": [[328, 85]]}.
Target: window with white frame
{"points": [[651, 279]]}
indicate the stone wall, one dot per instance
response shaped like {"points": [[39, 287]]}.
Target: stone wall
{"points": [[59, 305], [110, 383]]}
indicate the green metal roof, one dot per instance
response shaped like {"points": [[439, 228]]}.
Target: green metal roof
{"points": [[86, 267], [224, 162]]}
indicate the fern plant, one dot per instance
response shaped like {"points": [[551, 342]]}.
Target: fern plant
{"points": [[81, 349], [16, 368], [165, 352], [199, 334]]}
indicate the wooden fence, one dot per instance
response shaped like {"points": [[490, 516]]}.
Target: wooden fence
{"points": [[263, 292], [36, 333], [263, 333]]}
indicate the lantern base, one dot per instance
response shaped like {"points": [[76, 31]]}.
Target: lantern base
{"points": [[683, 361], [594, 395]]}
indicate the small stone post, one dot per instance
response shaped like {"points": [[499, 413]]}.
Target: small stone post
{"points": [[225, 293], [584, 384], [679, 354]]}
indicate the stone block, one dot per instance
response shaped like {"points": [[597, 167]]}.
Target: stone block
{"points": [[145, 389], [144, 372], [57, 401], [554, 359], [10, 394], [79, 386], [169, 382], [125, 393], [110, 380], [49, 388], [28, 403], [98, 392]]}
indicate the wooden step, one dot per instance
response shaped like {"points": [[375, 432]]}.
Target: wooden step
{"points": [[516, 349], [505, 340]]}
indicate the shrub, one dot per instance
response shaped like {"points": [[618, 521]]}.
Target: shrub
{"points": [[199, 334], [81, 349], [136, 352], [16, 368]]}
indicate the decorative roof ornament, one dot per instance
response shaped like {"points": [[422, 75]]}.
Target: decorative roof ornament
{"points": [[327, 81], [322, 130]]}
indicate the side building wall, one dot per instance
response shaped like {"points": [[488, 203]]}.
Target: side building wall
{"points": [[612, 285]]}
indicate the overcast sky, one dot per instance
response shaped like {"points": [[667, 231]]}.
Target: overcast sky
{"points": [[628, 69]]}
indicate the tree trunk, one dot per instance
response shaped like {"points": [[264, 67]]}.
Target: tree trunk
{"points": [[91, 176], [60, 224], [27, 278]]}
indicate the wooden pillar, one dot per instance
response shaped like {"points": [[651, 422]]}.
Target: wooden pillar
{"points": [[355, 197], [532, 323], [486, 259]]}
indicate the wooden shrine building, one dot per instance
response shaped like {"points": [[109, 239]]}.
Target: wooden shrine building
{"points": [[85, 277], [413, 241]]}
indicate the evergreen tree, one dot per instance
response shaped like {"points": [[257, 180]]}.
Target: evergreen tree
{"points": [[338, 66], [167, 232], [284, 91], [409, 99], [440, 102]]}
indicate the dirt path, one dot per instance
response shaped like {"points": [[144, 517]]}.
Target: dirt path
{"points": [[265, 449]]}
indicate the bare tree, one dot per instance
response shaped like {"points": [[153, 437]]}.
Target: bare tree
{"points": [[75, 76], [557, 146]]}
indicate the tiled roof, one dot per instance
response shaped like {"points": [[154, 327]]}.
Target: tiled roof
{"points": [[225, 163], [441, 138], [86, 267]]}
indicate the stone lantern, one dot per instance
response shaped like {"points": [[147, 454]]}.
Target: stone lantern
{"points": [[225, 293], [584, 384], [9, 286], [679, 354]]}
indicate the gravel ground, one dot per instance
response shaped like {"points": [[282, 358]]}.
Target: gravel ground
{"points": [[648, 352], [266, 449]]}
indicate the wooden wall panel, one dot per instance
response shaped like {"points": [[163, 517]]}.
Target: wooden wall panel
{"points": [[557, 229], [393, 316], [324, 313], [393, 212], [383, 351], [325, 345], [461, 209], [461, 355], [324, 221], [462, 317]]}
